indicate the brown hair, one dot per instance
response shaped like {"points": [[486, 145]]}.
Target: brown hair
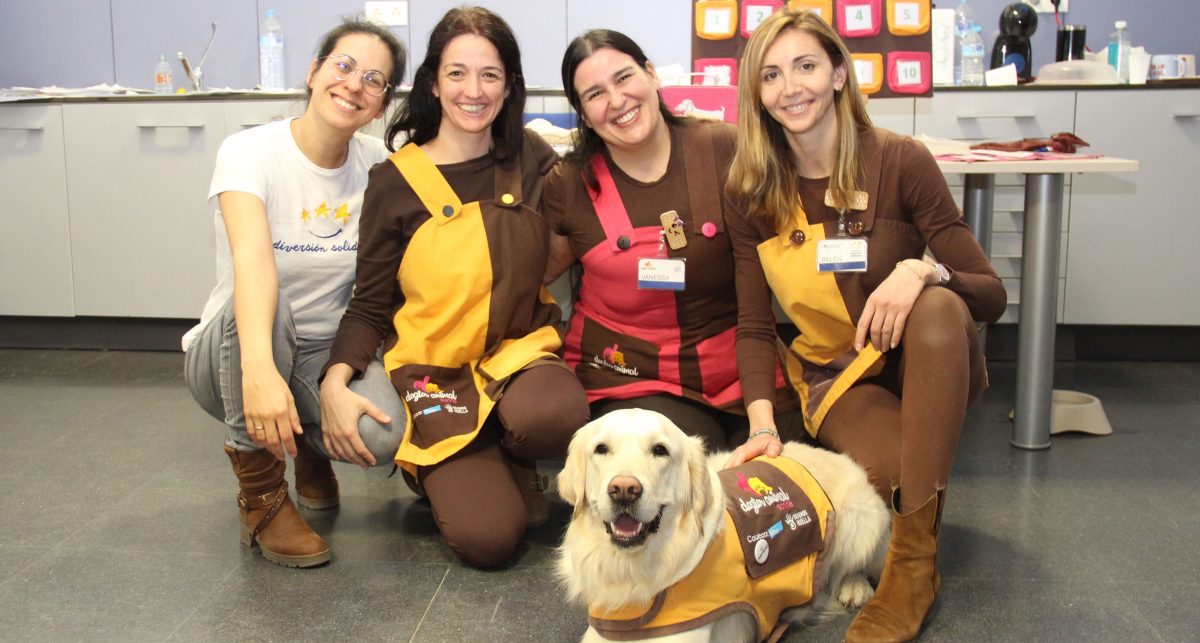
{"points": [[764, 170]]}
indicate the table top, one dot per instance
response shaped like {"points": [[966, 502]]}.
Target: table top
{"points": [[1042, 166]]}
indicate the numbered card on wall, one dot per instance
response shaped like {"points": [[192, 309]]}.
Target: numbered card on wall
{"points": [[908, 17], [715, 71], [756, 11], [868, 70], [908, 72], [716, 19], [823, 8], [859, 18]]}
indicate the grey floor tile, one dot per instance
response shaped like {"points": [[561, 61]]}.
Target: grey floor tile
{"points": [[101, 594], [120, 524], [519, 603], [1171, 607], [343, 601]]}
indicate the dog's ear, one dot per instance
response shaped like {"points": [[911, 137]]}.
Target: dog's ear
{"points": [[573, 477], [699, 488]]}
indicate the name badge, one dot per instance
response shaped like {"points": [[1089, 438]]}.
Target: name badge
{"points": [[842, 255], [660, 274]]}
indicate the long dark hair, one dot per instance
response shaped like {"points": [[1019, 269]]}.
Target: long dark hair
{"points": [[421, 115], [587, 141], [351, 26]]}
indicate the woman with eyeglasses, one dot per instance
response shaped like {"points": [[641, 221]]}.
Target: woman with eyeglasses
{"points": [[288, 199], [449, 280], [888, 356]]}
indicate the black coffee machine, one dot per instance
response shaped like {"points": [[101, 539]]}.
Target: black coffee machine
{"points": [[1018, 21]]}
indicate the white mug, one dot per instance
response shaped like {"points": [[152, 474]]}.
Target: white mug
{"points": [[1172, 66]]}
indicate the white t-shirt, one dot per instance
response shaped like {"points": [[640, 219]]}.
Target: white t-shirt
{"points": [[313, 215]]}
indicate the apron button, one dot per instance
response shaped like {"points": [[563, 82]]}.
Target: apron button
{"points": [[448, 210], [623, 242], [796, 237], [507, 199], [709, 229], [856, 227]]}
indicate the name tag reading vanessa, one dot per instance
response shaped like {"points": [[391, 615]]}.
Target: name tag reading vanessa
{"points": [[660, 274], [842, 255]]}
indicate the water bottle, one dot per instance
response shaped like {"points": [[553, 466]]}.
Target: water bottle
{"points": [[1118, 51], [964, 23], [971, 53], [270, 54], [162, 76]]}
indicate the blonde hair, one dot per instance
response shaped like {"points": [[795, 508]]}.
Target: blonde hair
{"points": [[764, 171]]}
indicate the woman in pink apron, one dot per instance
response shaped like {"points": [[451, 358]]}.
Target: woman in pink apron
{"points": [[639, 204]]}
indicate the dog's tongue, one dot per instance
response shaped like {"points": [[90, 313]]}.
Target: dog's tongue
{"points": [[626, 525]]}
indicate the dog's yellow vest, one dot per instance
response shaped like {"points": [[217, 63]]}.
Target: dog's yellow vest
{"points": [[762, 566]]}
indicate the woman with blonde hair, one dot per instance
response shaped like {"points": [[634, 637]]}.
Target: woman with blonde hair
{"points": [[888, 355]]}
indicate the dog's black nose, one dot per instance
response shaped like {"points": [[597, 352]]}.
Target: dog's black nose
{"points": [[624, 489]]}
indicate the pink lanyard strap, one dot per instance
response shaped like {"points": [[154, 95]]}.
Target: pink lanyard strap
{"points": [[614, 218]]}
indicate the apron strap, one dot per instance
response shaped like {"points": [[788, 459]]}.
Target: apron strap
{"points": [[614, 218], [508, 192], [427, 181], [705, 186]]}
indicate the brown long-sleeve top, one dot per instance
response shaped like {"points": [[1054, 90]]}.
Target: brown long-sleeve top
{"points": [[909, 208]]}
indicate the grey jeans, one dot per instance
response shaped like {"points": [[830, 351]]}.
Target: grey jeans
{"points": [[212, 368]]}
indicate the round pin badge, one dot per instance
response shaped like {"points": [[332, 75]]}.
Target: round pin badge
{"points": [[761, 551], [709, 229]]}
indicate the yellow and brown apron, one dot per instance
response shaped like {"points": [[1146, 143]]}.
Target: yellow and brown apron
{"points": [[468, 322]]}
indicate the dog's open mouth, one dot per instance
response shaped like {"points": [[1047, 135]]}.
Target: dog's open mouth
{"points": [[627, 531]]}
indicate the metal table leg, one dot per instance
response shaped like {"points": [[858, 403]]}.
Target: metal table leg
{"points": [[1039, 305], [978, 199], [978, 202]]}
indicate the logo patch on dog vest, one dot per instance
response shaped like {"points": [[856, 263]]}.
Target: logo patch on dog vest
{"points": [[776, 522]]}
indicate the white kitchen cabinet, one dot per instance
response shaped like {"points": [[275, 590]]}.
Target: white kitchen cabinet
{"points": [[1134, 236], [141, 228], [35, 264]]}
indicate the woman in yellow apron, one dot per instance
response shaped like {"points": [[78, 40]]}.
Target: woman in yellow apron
{"points": [[888, 356], [449, 279]]}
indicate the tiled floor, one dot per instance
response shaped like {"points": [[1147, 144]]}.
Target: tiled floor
{"points": [[120, 524]]}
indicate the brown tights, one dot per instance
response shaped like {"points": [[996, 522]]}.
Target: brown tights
{"points": [[475, 500], [903, 426]]}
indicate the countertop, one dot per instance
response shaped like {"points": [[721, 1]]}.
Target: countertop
{"points": [[228, 95]]}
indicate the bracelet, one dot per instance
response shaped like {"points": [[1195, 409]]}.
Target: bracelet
{"points": [[914, 270], [771, 432]]}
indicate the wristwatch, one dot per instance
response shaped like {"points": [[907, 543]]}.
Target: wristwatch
{"points": [[943, 273]]}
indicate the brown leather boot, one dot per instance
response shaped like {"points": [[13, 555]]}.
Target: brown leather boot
{"points": [[316, 486], [269, 519], [910, 580], [532, 486]]}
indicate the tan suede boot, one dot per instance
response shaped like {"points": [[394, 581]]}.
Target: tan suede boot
{"points": [[316, 486], [532, 486], [910, 579], [269, 519]]}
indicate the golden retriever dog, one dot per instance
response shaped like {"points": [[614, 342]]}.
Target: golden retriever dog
{"points": [[649, 505]]}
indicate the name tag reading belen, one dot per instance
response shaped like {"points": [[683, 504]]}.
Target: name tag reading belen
{"points": [[842, 255]]}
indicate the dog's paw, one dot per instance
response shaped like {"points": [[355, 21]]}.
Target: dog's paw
{"points": [[855, 591]]}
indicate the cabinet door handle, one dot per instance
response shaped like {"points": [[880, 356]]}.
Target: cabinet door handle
{"points": [[249, 125], [1186, 114], [23, 128], [966, 116], [160, 125]]}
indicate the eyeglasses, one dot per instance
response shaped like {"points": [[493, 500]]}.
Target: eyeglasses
{"points": [[343, 67]]}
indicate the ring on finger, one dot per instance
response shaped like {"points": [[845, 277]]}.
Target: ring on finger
{"points": [[258, 427]]}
